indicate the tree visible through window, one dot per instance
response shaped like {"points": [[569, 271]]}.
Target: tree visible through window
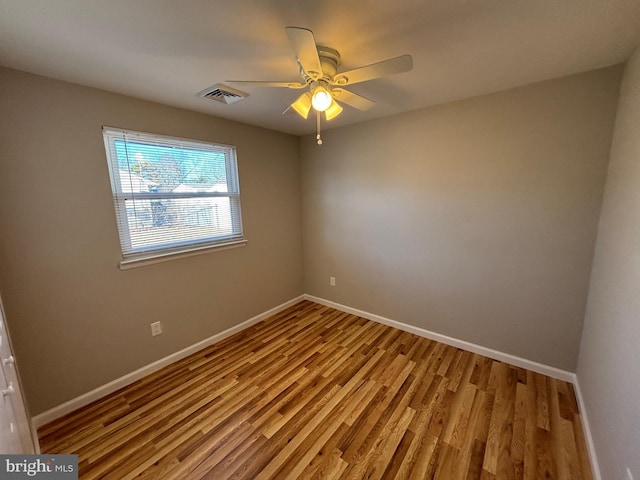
{"points": [[170, 194]]}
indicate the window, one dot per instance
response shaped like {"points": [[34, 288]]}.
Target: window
{"points": [[172, 195]]}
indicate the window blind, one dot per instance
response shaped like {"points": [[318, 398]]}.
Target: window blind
{"points": [[172, 194]]}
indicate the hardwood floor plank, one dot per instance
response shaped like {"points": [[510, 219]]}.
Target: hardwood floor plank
{"points": [[542, 401], [467, 434], [475, 461], [420, 449], [323, 461], [385, 450], [518, 440], [529, 414], [425, 453], [546, 464], [315, 393], [581, 446], [446, 468], [460, 411], [460, 371]]}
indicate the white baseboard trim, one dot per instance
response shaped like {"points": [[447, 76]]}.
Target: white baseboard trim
{"points": [[454, 342], [586, 428], [97, 393]]}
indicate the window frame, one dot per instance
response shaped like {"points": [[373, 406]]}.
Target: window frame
{"points": [[143, 255]]}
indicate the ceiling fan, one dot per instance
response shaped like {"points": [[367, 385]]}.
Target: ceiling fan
{"points": [[325, 85]]}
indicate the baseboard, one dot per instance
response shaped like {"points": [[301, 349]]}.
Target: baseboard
{"points": [[586, 428], [85, 399], [471, 347]]}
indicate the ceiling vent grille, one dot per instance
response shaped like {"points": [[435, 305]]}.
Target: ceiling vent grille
{"points": [[222, 93]]}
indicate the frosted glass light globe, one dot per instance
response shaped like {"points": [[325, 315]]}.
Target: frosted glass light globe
{"points": [[321, 99]]}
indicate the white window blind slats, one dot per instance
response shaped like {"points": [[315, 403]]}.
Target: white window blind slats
{"points": [[172, 194]]}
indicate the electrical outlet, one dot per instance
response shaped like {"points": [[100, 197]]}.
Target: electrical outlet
{"points": [[156, 329], [332, 281], [629, 476]]}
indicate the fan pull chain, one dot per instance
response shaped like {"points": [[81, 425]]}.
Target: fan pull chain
{"points": [[318, 127]]}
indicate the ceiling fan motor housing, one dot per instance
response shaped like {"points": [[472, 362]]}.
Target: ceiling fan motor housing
{"points": [[329, 60]]}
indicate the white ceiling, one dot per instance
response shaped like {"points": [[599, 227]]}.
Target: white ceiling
{"points": [[167, 50]]}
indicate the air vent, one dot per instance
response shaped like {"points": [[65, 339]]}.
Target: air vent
{"points": [[223, 94]]}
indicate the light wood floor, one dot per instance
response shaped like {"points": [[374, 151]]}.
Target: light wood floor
{"points": [[317, 393]]}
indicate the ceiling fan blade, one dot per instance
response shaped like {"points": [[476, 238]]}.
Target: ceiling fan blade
{"points": [[249, 83], [304, 45], [333, 111], [352, 99], [301, 106], [400, 64]]}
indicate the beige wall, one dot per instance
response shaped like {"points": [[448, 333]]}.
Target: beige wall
{"points": [[77, 321], [609, 362], [475, 219]]}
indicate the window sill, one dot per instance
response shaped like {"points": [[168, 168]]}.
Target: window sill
{"points": [[153, 258]]}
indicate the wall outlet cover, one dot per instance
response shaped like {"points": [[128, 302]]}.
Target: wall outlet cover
{"points": [[156, 329]]}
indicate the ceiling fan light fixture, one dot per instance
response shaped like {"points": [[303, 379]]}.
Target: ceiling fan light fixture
{"points": [[302, 105], [321, 98], [333, 111]]}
